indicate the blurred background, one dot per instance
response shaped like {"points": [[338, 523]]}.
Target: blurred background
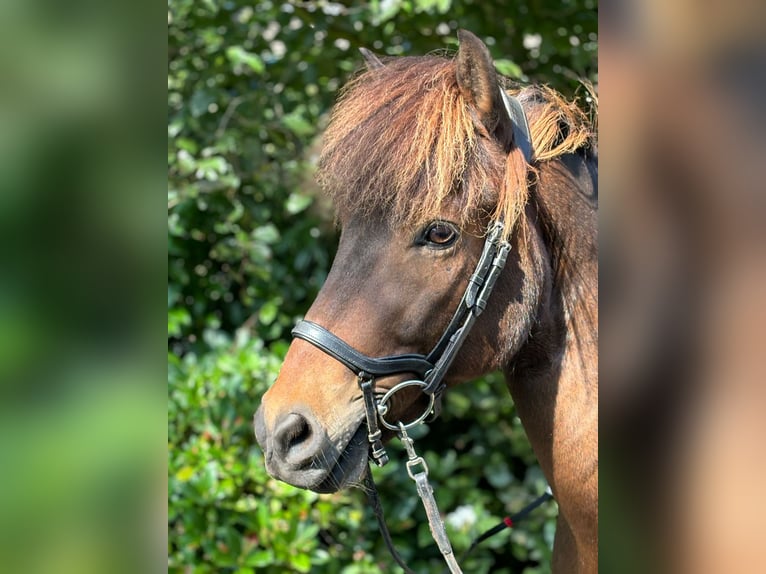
{"points": [[250, 243], [82, 413], [682, 253]]}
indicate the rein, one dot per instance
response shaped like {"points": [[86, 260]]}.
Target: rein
{"points": [[430, 369]]}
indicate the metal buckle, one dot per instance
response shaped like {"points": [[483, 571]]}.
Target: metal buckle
{"points": [[413, 459]]}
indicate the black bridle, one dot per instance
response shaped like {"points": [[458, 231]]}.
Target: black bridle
{"points": [[430, 369]]}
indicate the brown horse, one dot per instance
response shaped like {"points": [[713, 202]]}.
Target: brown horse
{"points": [[420, 159]]}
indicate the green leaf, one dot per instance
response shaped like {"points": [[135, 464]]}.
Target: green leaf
{"points": [[266, 234], [301, 562], [386, 10], [185, 474], [268, 313], [297, 202], [240, 57], [187, 144], [210, 168], [441, 6], [260, 559], [186, 162], [509, 68], [498, 474], [297, 124], [200, 101], [177, 320]]}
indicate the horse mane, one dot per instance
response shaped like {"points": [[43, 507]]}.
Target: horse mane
{"points": [[403, 142]]}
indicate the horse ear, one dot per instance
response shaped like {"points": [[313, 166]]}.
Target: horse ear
{"points": [[478, 83], [372, 61]]}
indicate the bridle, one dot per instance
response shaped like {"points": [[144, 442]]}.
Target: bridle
{"points": [[431, 368]]}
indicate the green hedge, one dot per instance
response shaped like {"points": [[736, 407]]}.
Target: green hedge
{"points": [[227, 514], [250, 243]]}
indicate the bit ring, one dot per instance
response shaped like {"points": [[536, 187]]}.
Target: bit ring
{"points": [[383, 407]]}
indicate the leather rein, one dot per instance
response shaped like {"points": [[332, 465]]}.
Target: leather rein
{"points": [[430, 369]]}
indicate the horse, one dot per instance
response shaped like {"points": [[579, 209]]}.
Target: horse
{"points": [[423, 156]]}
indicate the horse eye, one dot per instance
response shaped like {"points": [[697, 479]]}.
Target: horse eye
{"points": [[440, 234]]}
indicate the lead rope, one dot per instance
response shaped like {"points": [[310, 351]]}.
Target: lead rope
{"points": [[432, 512], [426, 493], [509, 521], [372, 494]]}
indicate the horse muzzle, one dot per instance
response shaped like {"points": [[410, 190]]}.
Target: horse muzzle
{"points": [[298, 451]]}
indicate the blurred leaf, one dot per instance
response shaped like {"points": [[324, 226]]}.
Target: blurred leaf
{"points": [[297, 124], [185, 474], [383, 10], [440, 6], [200, 102], [509, 68], [260, 559], [268, 312], [266, 233], [301, 562], [241, 57], [297, 202], [210, 168]]}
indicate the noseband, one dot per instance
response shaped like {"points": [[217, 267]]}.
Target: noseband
{"points": [[430, 369]]}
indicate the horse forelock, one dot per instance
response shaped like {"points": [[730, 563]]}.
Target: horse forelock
{"points": [[402, 141]]}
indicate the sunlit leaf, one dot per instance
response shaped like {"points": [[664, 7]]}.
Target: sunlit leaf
{"points": [[297, 202], [509, 68], [185, 474], [240, 57]]}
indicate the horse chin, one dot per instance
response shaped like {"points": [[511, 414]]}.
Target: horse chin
{"points": [[350, 466]]}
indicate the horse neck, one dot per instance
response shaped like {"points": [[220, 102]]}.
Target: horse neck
{"points": [[566, 202], [553, 378]]}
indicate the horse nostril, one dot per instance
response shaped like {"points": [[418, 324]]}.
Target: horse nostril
{"points": [[298, 433], [295, 440]]}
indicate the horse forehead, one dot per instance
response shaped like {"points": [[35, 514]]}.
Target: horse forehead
{"points": [[368, 242]]}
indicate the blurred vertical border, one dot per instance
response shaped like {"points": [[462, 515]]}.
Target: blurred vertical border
{"points": [[683, 262], [82, 416]]}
